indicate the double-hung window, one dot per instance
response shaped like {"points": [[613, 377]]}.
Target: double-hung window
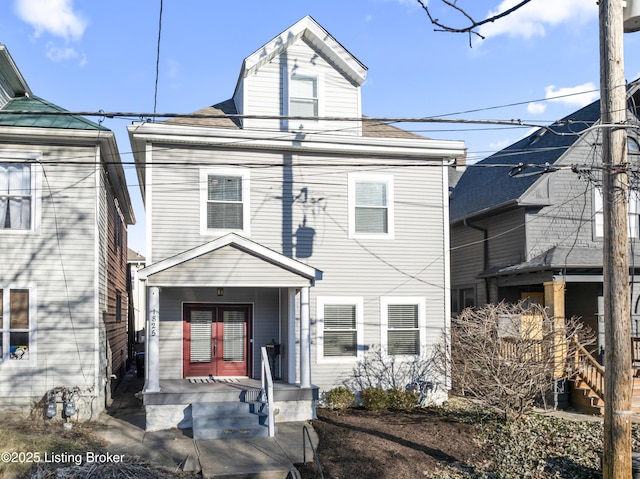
{"points": [[225, 200], [339, 328], [403, 325], [16, 196], [16, 321], [303, 95], [633, 227], [371, 206]]}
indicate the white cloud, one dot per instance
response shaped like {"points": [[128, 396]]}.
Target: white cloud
{"points": [[55, 17], [499, 145], [535, 18], [536, 108], [59, 54], [576, 96]]}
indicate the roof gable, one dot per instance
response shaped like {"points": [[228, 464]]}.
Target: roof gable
{"points": [[317, 36], [240, 243]]}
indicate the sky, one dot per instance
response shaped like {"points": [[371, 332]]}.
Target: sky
{"points": [[536, 65]]}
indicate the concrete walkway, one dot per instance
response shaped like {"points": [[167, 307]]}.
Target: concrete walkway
{"points": [[175, 450]]}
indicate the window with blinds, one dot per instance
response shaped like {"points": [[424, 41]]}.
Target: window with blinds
{"points": [[224, 202], [200, 334], [371, 210], [233, 334], [403, 333], [340, 330]]}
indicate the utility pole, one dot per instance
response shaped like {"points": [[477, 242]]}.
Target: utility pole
{"points": [[617, 384]]}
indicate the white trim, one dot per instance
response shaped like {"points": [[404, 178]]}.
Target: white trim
{"points": [[34, 158], [148, 202], [358, 302], [400, 149], [291, 336], [244, 173], [242, 243], [100, 242], [385, 301], [5, 361], [381, 178], [318, 37]]}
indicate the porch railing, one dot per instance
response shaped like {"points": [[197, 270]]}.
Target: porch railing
{"points": [[267, 388], [590, 371]]}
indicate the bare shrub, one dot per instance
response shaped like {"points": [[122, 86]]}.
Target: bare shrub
{"points": [[421, 374], [507, 355]]}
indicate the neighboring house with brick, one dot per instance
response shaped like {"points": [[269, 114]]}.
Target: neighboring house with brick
{"points": [[64, 211], [283, 215], [537, 234]]}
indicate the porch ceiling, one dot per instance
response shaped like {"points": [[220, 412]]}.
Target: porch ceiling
{"points": [[230, 261]]}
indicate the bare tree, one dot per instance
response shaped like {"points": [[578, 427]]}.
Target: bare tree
{"points": [[472, 27], [508, 356]]}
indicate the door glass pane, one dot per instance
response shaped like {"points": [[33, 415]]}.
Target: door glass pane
{"points": [[200, 333], [233, 332]]}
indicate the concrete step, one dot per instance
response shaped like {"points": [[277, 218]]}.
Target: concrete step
{"points": [[228, 420]]}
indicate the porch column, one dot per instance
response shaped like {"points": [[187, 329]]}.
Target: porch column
{"points": [[291, 336], [152, 354], [305, 339], [554, 302]]}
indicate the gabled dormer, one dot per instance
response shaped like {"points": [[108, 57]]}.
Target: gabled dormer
{"points": [[303, 72], [12, 83]]}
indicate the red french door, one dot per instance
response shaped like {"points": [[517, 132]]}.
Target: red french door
{"points": [[215, 340]]}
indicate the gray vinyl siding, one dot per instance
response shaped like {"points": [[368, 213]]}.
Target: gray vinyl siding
{"points": [[410, 264], [266, 90], [569, 221], [467, 261], [507, 238], [59, 262]]}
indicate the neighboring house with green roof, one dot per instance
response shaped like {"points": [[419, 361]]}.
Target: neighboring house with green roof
{"points": [[537, 234], [64, 211]]}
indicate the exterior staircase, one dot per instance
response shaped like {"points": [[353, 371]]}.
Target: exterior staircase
{"points": [[587, 388], [585, 399], [229, 420]]}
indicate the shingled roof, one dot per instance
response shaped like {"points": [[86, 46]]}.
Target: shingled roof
{"points": [[370, 127], [486, 185], [36, 119]]}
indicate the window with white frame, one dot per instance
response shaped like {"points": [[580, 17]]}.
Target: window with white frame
{"points": [[225, 200], [371, 205], [16, 320], [339, 327], [633, 227], [403, 325], [303, 95], [17, 200]]}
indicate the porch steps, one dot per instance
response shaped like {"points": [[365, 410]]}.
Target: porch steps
{"points": [[228, 420], [584, 399]]}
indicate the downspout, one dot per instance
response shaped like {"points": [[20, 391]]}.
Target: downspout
{"points": [[485, 253]]}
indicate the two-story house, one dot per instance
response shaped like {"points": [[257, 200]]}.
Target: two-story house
{"points": [[64, 211], [535, 231], [282, 216]]}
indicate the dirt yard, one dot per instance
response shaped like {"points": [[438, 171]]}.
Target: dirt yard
{"points": [[454, 444]]}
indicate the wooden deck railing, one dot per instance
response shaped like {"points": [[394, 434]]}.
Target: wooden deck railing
{"points": [[589, 370]]}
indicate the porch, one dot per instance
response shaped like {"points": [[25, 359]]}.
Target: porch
{"points": [[172, 406]]}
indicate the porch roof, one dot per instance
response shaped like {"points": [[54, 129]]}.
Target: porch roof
{"points": [[231, 260]]}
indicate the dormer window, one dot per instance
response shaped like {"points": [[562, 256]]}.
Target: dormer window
{"points": [[303, 96]]}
